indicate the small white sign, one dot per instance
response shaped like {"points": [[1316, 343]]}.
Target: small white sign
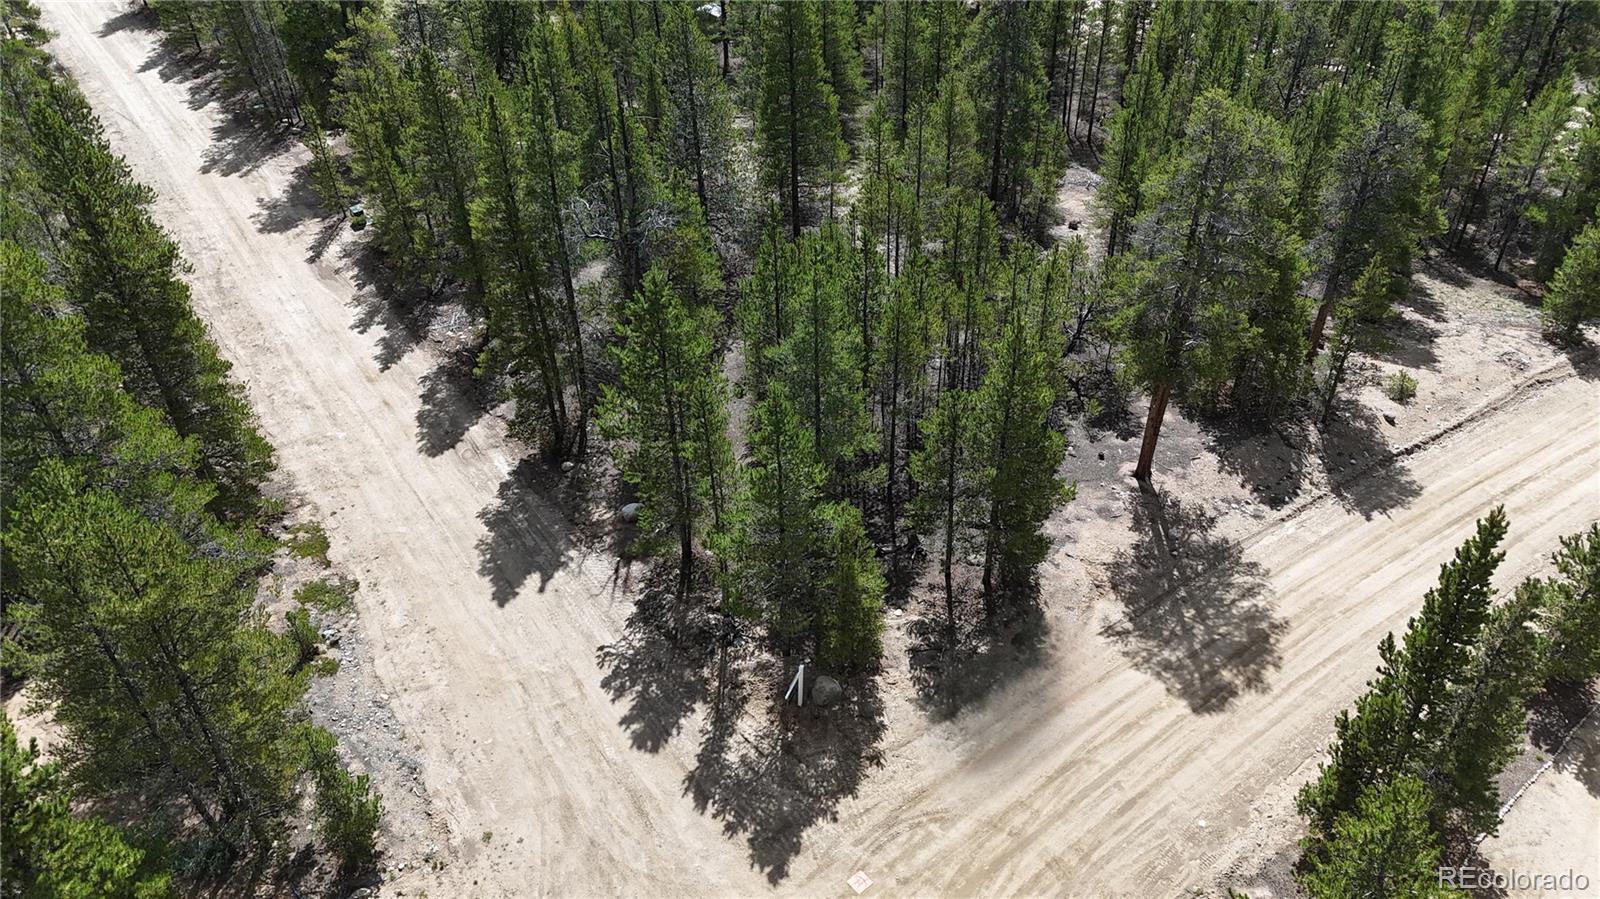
{"points": [[859, 882]]}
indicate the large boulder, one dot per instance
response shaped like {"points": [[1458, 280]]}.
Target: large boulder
{"points": [[825, 691], [630, 512]]}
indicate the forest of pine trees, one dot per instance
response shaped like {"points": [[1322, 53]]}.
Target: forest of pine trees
{"points": [[791, 265], [135, 529]]}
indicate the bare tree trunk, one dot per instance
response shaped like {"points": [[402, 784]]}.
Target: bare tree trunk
{"points": [[1152, 432]]}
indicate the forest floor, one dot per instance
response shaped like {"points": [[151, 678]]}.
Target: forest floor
{"points": [[1142, 734]]}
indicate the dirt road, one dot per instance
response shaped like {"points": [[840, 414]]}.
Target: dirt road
{"points": [[1141, 757]]}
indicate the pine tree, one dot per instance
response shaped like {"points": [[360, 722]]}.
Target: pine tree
{"points": [[1215, 242], [125, 275], [701, 140], [1570, 609], [444, 144], [552, 110], [1573, 299], [950, 478], [901, 356], [1402, 721], [1529, 160], [48, 851], [326, 181], [766, 310], [1562, 213], [527, 341], [776, 548], [378, 107], [836, 31], [1379, 202], [253, 53], [1356, 320], [820, 361], [663, 364], [797, 111], [851, 599], [310, 31], [1020, 448], [1384, 847], [63, 402], [1007, 79], [1487, 718], [160, 673]]}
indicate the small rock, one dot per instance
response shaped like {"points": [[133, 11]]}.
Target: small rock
{"points": [[1073, 225], [1389, 417], [1102, 456], [568, 466], [825, 691], [630, 512]]}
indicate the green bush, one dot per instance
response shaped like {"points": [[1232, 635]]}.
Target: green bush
{"points": [[327, 595], [304, 636], [309, 541], [1400, 386], [348, 809]]}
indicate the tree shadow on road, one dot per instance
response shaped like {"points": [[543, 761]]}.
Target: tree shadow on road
{"points": [[452, 402], [660, 668], [773, 783], [1270, 462], [240, 146], [1364, 473], [297, 205], [950, 676], [1198, 614], [404, 316], [520, 541]]}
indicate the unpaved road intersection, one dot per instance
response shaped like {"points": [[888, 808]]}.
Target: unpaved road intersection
{"points": [[1089, 776]]}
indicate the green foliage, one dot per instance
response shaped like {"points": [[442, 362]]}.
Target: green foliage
{"points": [[326, 180], [1570, 609], [152, 658], [1441, 705], [797, 110], [326, 595], [348, 808], [1400, 386], [1384, 847], [50, 852], [303, 634], [1573, 299], [124, 274], [950, 475], [1358, 320], [851, 614], [779, 538], [664, 366], [1013, 431], [308, 540], [1213, 305]]}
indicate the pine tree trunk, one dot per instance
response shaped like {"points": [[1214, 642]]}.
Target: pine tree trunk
{"points": [[1152, 431]]}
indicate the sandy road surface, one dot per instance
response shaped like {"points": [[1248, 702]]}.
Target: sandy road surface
{"points": [[1116, 768]]}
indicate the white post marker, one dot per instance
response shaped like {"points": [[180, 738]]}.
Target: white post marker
{"points": [[859, 882], [797, 684]]}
